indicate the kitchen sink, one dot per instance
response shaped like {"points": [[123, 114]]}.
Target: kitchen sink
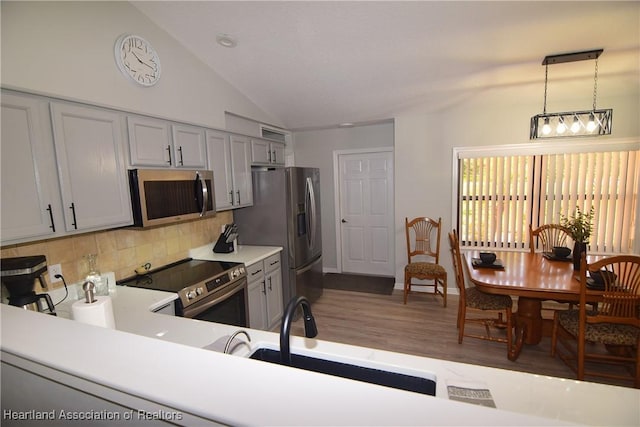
{"points": [[354, 372]]}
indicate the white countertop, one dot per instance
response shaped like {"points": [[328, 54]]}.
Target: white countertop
{"points": [[244, 253], [159, 350]]}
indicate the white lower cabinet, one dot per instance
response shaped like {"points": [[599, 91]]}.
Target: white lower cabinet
{"points": [[265, 293]]}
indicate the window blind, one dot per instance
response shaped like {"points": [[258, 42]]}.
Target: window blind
{"points": [[500, 195], [493, 203], [607, 181]]}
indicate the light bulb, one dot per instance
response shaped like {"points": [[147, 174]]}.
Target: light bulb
{"points": [[591, 126], [546, 129], [575, 126], [561, 126]]}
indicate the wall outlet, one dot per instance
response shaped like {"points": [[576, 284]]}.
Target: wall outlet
{"points": [[53, 270]]}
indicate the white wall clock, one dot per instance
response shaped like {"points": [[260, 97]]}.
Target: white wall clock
{"points": [[137, 59]]}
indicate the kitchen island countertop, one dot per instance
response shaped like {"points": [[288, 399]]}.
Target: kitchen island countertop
{"points": [[151, 355]]}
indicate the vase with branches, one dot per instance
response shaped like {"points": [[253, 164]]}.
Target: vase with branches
{"points": [[580, 225]]}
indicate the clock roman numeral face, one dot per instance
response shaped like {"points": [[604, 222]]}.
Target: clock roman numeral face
{"points": [[138, 60]]}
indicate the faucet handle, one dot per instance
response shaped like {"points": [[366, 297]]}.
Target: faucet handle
{"points": [[310, 328]]}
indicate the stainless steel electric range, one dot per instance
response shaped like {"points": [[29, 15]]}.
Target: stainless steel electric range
{"points": [[213, 291]]}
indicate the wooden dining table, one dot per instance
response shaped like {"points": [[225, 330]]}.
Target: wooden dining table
{"points": [[532, 278]]}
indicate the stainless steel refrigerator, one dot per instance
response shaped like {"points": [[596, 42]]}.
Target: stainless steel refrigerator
{"points": [[286, 212]]}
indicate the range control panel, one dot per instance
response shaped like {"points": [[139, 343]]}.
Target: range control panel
{"points": [[201, 290]]}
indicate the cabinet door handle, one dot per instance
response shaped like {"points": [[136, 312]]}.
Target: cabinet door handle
{"points": [[275, 160], [238, 193], [181, 159], [231, 197], [73, 211], [169, 152], [269, 155], [52, 226], [270, 288], [264, 287]]}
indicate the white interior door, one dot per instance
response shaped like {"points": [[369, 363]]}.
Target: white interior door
{"points": [[366, 213]]}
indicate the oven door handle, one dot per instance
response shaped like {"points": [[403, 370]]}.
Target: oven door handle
{"points": [[205, 304]]}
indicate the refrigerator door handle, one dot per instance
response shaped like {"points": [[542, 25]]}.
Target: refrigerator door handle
{"points": [[311, 208]]}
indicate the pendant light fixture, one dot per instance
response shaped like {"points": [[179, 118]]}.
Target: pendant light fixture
{"points": [[571, 123]]}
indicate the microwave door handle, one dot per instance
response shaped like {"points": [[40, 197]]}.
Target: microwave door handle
{"points": [[204, 193]]}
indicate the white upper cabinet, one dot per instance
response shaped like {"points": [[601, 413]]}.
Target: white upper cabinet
{"points": [[241, 166], [30, 194], [158, 143], [219, 155], [189, 146], [149, 142], [277, 153], [265, 152], [260, 151], [228, 157], [91, 168]]}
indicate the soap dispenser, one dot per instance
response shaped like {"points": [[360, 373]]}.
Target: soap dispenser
{"points": [[93, 276]]}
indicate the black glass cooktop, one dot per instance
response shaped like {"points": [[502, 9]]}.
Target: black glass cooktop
{"points": [[179, 275]]}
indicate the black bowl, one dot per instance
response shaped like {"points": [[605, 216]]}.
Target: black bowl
{"points": [[487, 257], [561, 251], [600, 276]]}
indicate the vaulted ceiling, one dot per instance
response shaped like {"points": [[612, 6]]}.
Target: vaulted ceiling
{"points": [[322, 63]]}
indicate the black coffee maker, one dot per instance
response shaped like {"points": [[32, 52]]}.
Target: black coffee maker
{"points": [[19, 276]]}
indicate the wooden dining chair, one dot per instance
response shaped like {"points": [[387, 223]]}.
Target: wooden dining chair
{"points": [[608, 334], [475, 302], [548, 236], [423, 256]]}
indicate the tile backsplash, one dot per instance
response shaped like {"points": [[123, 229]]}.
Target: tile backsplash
{"points": [[122, 250]]}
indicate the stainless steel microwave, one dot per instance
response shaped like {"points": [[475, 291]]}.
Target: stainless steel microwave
{"points": [[165, 196]]}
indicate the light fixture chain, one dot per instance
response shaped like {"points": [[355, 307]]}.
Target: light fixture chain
{"points": [[595, 85], [546, 74]]}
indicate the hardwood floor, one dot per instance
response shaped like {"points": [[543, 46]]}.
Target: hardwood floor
{"points": [[423, 328]]}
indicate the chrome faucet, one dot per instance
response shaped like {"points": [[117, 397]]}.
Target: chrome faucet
{"points": [[310, 329], [228, 344]]}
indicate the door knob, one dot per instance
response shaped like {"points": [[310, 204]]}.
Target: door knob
{"points": [[344, 220]]}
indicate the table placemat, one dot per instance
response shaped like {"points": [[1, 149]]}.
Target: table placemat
{"points": [[496, 265], [592, 284], [550, 256]]}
